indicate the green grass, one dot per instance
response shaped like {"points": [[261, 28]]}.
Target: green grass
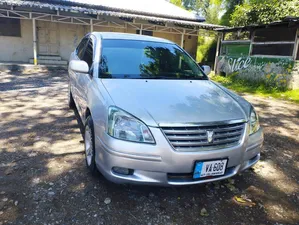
{"points": [[260, 89]]}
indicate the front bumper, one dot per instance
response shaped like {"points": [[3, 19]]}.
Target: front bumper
{"points": [[160, 164]]}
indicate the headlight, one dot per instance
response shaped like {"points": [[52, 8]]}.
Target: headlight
{"points": [[124, 126], [254, 122]]}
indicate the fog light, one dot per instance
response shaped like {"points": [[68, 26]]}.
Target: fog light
{"points": [[123, 171]]}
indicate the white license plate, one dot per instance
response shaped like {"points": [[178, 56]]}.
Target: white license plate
{"points": [[209, 168]]}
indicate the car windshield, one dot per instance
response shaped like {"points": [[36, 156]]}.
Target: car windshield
{"points": [[130, 59]]}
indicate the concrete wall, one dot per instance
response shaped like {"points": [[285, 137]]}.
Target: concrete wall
{"points": [[190, 45], [190, 42], [18, 49], [274, 72], [108, 29], [70, 36]]}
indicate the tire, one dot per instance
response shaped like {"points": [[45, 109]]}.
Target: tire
{"points": [[71, 101], [89, 146]]}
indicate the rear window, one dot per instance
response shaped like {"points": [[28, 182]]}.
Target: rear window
{"points": [[129, 59]]}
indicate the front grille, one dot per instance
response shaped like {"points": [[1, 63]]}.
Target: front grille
{"points": [[195, 138]]}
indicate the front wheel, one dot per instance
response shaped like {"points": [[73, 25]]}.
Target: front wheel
{"points": [[89, 146]]}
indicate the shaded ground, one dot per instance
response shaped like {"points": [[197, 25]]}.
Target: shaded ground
{"points": [[43, 179]]}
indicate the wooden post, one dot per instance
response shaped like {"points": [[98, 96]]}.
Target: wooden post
{"points": [[141, 28], [34, 42], [217, 50], [182, 38], [251, 41], [91, 25], [296, 45]]}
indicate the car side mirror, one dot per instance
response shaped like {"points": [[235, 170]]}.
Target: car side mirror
{"points": [[79, 66], [206, 69]]}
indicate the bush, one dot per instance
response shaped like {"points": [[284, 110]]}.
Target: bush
{"points": [[259, 88]]}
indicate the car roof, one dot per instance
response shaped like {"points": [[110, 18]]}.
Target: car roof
{"points": [[125, 36]]}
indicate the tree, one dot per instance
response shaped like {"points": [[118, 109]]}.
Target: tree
{"points": [[210, 9], [177, 2], [230, 6], [261, 12], [190, 4]]}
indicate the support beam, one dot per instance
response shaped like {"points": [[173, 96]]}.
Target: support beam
{"points": [[91, 25], [34, 42], [251, 41], [217, 50], [296, 45], [141, 28], [182, 38]]}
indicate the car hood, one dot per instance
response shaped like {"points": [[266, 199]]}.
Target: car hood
{"points": [[163, 102]]}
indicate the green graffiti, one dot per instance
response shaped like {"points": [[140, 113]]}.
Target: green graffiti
{"points": [[274, 72]]}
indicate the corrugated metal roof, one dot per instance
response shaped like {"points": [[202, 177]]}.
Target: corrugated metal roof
{"points": [[148, 7], [81, 6], [288, 21], [160, 8]]}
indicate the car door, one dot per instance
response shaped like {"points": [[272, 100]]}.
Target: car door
{"points": [[74, 76], [84, 80]]}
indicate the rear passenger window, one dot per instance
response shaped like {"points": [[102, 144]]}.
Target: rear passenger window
{"points": [[81, 47], [88, 55]]}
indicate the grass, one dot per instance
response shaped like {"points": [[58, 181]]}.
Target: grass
{"points": [[260, 89]]}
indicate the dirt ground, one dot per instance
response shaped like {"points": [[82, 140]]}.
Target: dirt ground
{"points": [[43, 179]]}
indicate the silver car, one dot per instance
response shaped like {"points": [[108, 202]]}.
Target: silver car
{"points": [[152, 116]]}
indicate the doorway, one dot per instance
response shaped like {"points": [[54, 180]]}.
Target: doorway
{"points": [[47, 38]]}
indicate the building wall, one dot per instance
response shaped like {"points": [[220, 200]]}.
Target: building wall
{"points": [[176, 38], [268, 59], [108, 29], [190, 42], [190, 45], [70, 36], [18, 49]]}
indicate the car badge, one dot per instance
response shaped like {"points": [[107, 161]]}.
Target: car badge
{"points": [[210, 135]]}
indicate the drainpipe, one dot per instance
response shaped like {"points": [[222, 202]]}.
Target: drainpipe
{"points": [[34, 43], [182, 38]]}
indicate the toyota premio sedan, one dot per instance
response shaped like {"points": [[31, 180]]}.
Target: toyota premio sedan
{"points": [[152, 116]]}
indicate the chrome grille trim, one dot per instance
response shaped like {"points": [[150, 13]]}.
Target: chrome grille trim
{"points": [[195, 138]]}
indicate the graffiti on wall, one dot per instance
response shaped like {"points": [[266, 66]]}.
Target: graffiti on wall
{"points": [[230, 65], [274, 71], [239, 63]]}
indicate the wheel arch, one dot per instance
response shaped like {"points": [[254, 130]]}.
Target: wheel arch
{"points": [[87, 114]]}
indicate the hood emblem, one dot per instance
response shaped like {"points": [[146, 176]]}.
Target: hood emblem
{"points": [[210, 135]]}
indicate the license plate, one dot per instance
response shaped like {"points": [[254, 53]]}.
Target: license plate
{"points": [[209, 168]]}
